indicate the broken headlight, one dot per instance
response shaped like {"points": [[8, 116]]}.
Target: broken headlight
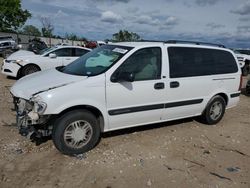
{"points": [[39, 105]]}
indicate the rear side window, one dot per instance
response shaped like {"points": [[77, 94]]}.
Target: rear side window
{"points": [[187, 62], [79, 52]]}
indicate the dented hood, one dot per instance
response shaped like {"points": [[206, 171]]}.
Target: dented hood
{"points": [[36, 83]]}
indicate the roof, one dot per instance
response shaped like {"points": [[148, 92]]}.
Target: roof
{"points": [[172, 43], [63, 46]]}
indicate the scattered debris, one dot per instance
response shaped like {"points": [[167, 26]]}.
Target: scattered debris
{"points": [[221, 177], [206, 152], [221, 147], [194, 162], [170, 168], [149, 183], [141, 162], [80, 156], [233, 169], [19, 151]]}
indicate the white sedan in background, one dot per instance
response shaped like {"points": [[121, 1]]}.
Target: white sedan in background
{"points": [[22, 62]]}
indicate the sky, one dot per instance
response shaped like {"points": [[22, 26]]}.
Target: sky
{"points": [[219, 21]]}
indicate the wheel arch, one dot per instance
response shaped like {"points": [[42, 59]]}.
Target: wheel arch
{"points": [[223, 95], [29, 64], [95, 111]]}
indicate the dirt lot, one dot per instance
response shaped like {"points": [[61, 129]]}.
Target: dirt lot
{"points": [[176, 154]]}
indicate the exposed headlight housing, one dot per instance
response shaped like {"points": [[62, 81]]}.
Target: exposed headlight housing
{"points": [[39, 105]]}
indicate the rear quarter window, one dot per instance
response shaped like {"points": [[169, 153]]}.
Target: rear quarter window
{"points": [[188, 62]]}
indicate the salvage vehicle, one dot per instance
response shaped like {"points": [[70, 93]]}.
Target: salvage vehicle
{"points": [[243, 57], [7, 45], [22, 63], [126, 85]]}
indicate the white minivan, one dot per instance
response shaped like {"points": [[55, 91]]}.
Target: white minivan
{"points": [[125, 85]]}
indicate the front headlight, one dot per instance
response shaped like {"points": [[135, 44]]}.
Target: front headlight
{"points": [[39, 105], [18, 61]]}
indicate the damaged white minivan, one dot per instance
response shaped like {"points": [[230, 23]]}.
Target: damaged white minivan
{"points": [[125, 85]]}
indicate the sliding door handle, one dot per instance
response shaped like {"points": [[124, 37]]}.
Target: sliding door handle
{"points": [[174, 84]]}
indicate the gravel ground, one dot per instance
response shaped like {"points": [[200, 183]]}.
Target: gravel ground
{"points": [[182, 153]]}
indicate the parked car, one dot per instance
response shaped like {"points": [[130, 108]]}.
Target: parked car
{"points": [[36, 45], [7, 45], [22, 63], [244, 61], [248, 88], [125, 85]]}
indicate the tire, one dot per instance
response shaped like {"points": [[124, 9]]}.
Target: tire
{"points": [[245, 70], [76, 132], [214, 111], [29, 69]]}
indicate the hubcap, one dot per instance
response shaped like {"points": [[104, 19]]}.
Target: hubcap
{"points": [[77, 134], [216, 110]]}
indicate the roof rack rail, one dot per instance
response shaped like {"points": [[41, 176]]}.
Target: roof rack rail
{"points": [[194, 42]]}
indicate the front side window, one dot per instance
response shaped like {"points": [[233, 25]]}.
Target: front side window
{"points": [[97, 61], [145, 64], [188, 62]]}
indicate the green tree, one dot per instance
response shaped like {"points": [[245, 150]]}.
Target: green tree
{"points": [[12, 16], [124, 35], [31, 30]]}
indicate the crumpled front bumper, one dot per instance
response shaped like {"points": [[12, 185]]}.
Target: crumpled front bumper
{"points": [[28, 126]]}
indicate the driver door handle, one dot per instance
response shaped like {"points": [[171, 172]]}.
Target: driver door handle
{"points": [[159, 85]]}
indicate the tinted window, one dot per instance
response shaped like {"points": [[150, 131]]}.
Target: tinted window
{"points": [[79, 52], [185, 62], [63, 52], [144, 63]]}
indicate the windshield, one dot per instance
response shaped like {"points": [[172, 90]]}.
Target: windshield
{"points": [[97, 61], [44, 51]]}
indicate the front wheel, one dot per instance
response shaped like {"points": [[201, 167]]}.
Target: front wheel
{"points": [[29, 69], [214, 110], [76, 132]]}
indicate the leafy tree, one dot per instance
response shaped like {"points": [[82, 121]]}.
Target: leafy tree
{"points": [[47, 27], [31, 30], [124, 35], [12, 16]]}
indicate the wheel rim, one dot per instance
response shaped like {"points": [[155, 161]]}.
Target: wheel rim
{"points": [[77, 134], [30, 70], [216, 110]]}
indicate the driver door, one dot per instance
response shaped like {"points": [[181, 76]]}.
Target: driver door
{"points": [[140, 101]]}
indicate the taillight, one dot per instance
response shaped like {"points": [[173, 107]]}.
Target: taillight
{"points": [[241, 80]]}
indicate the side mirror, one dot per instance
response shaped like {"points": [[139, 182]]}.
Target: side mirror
{"points": [[123, 77], [52, 55]]}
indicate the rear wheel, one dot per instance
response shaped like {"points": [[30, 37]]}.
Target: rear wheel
{"points": [[214, 110], [76, 132], [29, 69]]}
